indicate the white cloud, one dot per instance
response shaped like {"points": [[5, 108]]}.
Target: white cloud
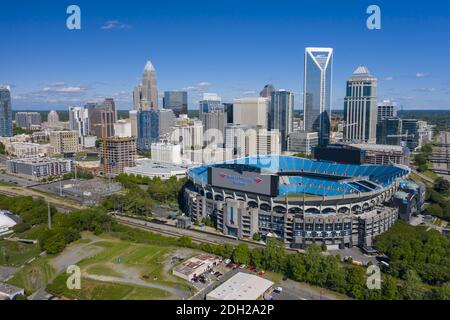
{"points": [[198, 86], [422, 75], [115, 24], [388, 78]]}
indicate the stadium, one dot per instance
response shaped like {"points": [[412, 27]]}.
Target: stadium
{"points": [[296, 200]]}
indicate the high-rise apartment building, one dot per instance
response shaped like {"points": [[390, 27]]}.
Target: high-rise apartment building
{"points": [[79, 120], [6, 124], [214, 123], [117, 153], [410, 133], [386, 109], [53, 118], [26, 120], [251, 112], [360, 107], [102, 118], [317, 92], [281, 113], [188, 133], [65, 141], [177, 101]]}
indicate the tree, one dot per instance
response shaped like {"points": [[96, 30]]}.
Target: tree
{"points": [[442, 292], [435, 210], [274, 255], [413, 288], [441, 185], [296, 267], [2, 148], [256, 236], [389, 288], [241, 254]]}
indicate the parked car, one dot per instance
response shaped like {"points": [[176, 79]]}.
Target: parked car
{"points": [[242, 266], [227, 261], [278, 290], [262, 272]]}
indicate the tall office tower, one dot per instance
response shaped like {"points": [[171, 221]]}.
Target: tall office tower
{"points": [[79, 120], [389, 131], [117, 154], [251, 112], [214, 123], [228, 108], [317, 92], [210, 101], [102, 118], [177, 101], [386, 109], [53, 117], [149, 87], [410, 133], [137, 97], [147, 128], [151, 125], [281, 113], [133, 122], [6, 124], [267, 91], [360, 107]]}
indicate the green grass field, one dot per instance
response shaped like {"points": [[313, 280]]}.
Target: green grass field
{"points": [[15, 254], [97, 290], [131, 264], [33, 276]]}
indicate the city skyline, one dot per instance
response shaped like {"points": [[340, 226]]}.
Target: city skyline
{"points": [[74, 67]]}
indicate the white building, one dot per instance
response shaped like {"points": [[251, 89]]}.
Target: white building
{"points": [[157, 169], [122, 128], [302, 141], [251, 111], [188, 133], [166, 152], [207, 155], [241, 286], [6, 222], [247, 141], [195, 266], [79, 120]]}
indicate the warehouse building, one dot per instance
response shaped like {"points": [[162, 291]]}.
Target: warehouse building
{"points": [[242, 286], [195, 266]]}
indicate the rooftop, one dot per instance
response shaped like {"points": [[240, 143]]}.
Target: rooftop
{"points": [[242, 286]]}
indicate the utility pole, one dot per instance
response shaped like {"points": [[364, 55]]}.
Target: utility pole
{"points": [[49, 217]]}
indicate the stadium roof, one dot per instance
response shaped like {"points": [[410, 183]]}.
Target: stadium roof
{"points": [[320, 178]]}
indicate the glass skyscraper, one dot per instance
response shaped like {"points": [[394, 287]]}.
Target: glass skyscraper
{"points": [[147, 128], [281, 111], [177, 101], [317, 92], [6, 127]]}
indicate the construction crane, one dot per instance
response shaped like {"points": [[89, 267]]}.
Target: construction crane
{"points": [[105, 161]]}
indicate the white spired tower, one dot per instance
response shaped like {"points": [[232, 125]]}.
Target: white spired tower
{"points": [[149, 88]]}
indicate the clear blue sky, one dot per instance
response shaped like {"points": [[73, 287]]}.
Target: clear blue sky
{"points": [[229, 47]]}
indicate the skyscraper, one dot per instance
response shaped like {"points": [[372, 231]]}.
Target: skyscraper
{"points": [[210, 101], [177, 101], [149, 87], [137, 97], [251, 112], [386, 109], [6, 126], [360, 107], [267, 91], [214, 120], [79, 120], [389, 131], [281, 112], [102, 116], [151, 125], [317, 92]]}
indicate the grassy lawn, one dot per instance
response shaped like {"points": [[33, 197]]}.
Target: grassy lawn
{"points": [[430, 174], [123, 260], [33, 276], [97, 290], [15, 254]]}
